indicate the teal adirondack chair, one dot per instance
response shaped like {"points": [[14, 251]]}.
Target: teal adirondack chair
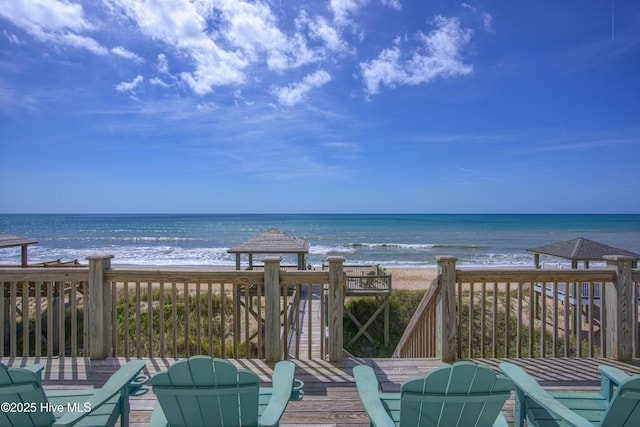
{"points": [[26, 404], [206, 391], [616, 405], [462, 394]]}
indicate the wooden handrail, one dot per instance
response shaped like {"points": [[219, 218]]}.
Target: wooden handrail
{"points": [[428, 302]]}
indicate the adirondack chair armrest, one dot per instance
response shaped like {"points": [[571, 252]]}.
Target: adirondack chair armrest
{"points": [[610, 378], [282, 387], [118, 383], [35, 368], [528, 386], [367, 385]]}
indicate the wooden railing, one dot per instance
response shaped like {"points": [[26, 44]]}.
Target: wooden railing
{"points": [[101, 311], [44, 312], [419, 338], [527, 313]]}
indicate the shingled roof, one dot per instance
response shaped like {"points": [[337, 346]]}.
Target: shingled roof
{"points": [[9, 241], [272, 241], [581, 249]]}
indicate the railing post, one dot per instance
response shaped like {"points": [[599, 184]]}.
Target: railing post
{"points": [[619, 309], [273, 345], [336, 308], [446, 329], [98, 304]]}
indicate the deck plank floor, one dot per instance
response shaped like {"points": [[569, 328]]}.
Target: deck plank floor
{"points": [[330, 398]]}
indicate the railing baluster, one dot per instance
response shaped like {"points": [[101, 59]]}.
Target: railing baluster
{"points": [[483, 319], [260, 324], [198, 317], [125, 296], [590, 318], [223, 317], [543, 320], [310, 320], [532, 314], [567, 317], [61, 319], [247, 298], [114, 320], [174, 319], [507, 318], [555, 325], [519, 323], [495, 319], [150, 319], [187, 311], [162, 349], [471, 314], [50, 319], [74, 320], [25, 319], [137, 315], [210, 318]]}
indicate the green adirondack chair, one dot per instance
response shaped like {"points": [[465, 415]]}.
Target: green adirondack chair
{"points": [[616, 405], [206, 391], [25, 403], [462, 394]]}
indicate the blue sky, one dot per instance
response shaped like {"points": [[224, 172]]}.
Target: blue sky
{"points": [[319, 106]]}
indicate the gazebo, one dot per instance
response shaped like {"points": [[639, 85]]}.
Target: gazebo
{"points": [[272, 241], [9, 241], [580, 249]]}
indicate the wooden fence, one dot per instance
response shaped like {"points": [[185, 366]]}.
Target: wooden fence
{"points": [[102, 311], [510, 313]]}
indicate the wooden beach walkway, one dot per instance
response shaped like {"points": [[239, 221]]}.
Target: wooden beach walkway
{"points": [[330, 396], [308, 330]]}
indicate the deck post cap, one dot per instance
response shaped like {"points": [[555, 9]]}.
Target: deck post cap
{"points": [[99, 257]]}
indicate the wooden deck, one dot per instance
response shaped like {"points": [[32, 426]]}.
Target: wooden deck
{"points": [[330, 397]]}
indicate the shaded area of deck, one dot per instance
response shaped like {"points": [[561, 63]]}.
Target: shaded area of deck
{"points": [[330, 397]]}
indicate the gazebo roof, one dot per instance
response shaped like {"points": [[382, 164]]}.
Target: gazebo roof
{"points": [[581, 249], [272, 241], [9, 241]]}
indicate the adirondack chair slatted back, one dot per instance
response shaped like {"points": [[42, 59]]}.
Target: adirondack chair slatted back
{"points": [[22, 389], [624, 409], [463, 394], [202, 391]]}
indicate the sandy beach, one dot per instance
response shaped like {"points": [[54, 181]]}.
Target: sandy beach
{"points": [[412, 278]]}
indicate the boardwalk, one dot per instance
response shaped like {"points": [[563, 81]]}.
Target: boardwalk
{"points": [[330, 395], [309, 332]]}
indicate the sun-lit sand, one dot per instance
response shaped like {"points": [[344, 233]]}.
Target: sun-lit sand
{"points": [[412, 278]]}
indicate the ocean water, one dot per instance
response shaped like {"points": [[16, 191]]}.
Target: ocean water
{"points": [[388, 240]]}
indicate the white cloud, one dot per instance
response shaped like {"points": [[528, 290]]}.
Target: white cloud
{"points": [[343, 10], [180, 25], [252, 28], [320, 29], [163, 63], [438, 56], [487, 19], [79, 42], [53, 21], [393, 4], [129, 86], [126, 54], [159, 82], [296, 92], [11, 37]]}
